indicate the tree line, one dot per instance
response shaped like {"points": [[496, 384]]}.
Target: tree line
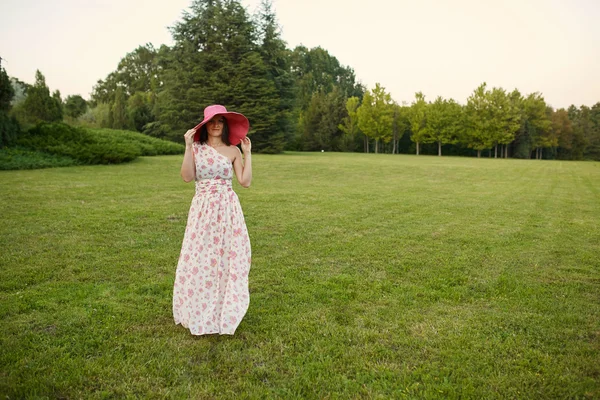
{"points": [[303, 99]]}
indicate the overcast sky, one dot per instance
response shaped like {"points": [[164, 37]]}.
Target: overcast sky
{"points": [[440, 47]]}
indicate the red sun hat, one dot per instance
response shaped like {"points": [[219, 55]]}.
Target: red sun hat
{"points": [[238, 124]]}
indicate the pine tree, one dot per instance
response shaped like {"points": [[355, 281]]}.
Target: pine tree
{"points": [[39, 106]]}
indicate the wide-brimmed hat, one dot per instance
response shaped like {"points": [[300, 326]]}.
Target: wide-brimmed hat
{"points": [[238, 124]]}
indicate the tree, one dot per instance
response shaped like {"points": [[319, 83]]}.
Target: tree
{"points": [[118, 112], [417, 119], [477, 114], [593, 141], [216, 60], [563, 130], [400, 126], [39, 106], [317, 70], [75, 106], [443, 123], [537, 122], [320, 122], [376, 115], [503, 118], [7, 91], [349, 124], [135, 73], [9, 127], [139, 111], [276, 58]]}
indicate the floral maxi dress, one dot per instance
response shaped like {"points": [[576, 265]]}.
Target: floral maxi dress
{"points": [[210, 293]]}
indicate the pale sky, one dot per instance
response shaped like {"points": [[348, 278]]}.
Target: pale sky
{"points": [[440, 47]]}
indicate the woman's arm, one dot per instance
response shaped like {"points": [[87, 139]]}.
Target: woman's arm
{"points": [[188, 167], [243, 170]]}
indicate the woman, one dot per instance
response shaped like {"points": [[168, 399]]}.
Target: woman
{"points": [[211, 284]]}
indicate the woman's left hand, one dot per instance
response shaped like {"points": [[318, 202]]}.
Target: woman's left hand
{"points": [[246, 145]]}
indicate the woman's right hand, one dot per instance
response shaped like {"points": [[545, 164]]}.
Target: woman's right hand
{"points": [[189, 137]]}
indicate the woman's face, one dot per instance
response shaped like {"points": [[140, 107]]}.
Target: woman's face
{"points": [[214, 127]]}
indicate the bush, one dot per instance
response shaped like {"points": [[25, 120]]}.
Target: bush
{"points": [[148, 146], [19, 158], [9, 129], [59, 144], [77, 143]]}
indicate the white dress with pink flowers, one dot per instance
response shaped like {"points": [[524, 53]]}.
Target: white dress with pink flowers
{"points": [[211, 284]]}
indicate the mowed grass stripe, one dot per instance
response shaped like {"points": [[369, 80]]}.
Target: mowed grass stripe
{"points": [[373, 276]]}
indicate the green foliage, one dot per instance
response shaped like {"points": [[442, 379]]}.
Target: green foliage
{"points": [[137, 72], [7, 92], [317, 70], [77, 143], [376, 115], [39, 106], [349, 125], [444, 123], [75, 106], [159, 130], [478, 135], [117, 117], [20, 88], [9, 126], [275, 57], [139, 111], [217, 60], [146, 145], [417, 117], [320, 130], [12, 158], [9, 129], [58, 144]]}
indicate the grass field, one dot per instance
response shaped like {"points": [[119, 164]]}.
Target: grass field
{"points": [[373, 276]]}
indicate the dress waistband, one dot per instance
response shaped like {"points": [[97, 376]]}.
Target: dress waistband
{"points": [[213, 185]]}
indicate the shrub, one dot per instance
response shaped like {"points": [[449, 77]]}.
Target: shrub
{"points": [[77, 143], [9, 129], [19, 158], [148, 146]]}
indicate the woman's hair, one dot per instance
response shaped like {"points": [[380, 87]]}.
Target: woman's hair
{"points": [[224, 136]]}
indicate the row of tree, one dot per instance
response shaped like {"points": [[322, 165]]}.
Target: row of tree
{"points": [[304, 99], [510, 124]]}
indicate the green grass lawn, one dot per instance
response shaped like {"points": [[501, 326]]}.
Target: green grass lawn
{"points": [[373, 276]]}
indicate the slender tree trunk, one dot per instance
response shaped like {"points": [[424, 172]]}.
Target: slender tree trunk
{"points": [[417, 148], [376, 146], [496, 151], [541, 153], [478, 153], [367, 143], [439, 149]]}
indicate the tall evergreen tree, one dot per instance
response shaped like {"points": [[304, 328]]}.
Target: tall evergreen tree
{"points": [[216, 59], [39, 106], [7, 91], [9, 127], [276, 58]]}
